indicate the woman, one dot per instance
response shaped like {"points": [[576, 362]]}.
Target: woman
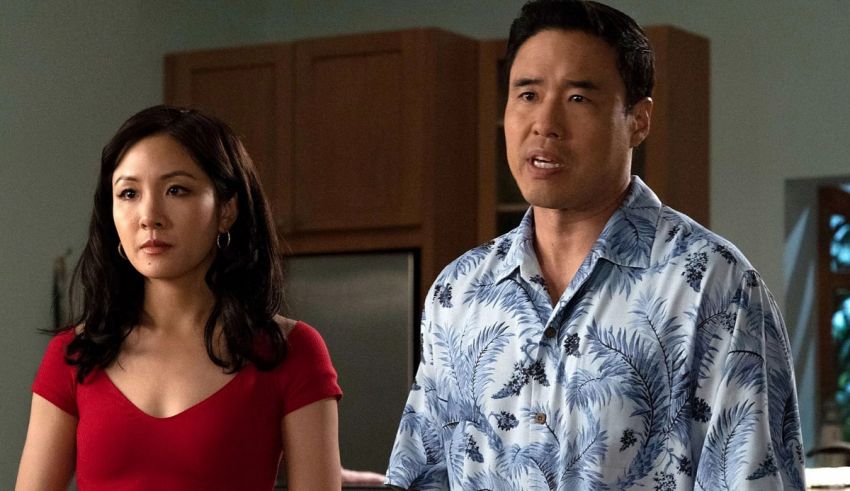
{"points": [[180, 373]]}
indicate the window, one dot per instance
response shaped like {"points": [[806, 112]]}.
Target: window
{"points": [[834, 302]]}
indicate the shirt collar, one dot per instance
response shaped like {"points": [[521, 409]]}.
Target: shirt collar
{"points": [[626, 240], [629, 234]]}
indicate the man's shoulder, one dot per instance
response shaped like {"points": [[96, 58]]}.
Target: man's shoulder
{"points": [[679, 232], [481, 261]]}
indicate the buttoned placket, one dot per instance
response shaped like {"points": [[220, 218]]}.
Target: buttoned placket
{"points": [[551, 334], [540, 395]]}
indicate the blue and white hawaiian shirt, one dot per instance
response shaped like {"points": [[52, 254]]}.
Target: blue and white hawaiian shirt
{"points": [[664, 365]]}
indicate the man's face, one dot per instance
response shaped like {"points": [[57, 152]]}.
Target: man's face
{"points": [[568, 134]]}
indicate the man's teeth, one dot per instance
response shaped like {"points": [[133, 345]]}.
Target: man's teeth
{"points": [[544, 164]]}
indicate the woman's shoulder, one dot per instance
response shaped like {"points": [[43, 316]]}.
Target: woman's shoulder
{"points": [[302, 339], [297, 330], [57, 348], [286, 324], [61, 339], [307, 373]]}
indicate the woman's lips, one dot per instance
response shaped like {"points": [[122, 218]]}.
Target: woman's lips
{"points": [[155, 246]]}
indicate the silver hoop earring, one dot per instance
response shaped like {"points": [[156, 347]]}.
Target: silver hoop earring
{"points": [[218, 240], [121, 252]]}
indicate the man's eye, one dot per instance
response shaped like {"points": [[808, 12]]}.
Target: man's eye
{"points": [[577, 98], [527, 96]]}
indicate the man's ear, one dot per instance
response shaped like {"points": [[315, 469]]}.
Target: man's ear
{"points": [[641, 115], [228, 213]]}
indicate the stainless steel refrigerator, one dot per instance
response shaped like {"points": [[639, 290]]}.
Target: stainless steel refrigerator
{"points": [[364, 306]]}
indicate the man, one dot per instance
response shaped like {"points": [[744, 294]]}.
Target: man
{"points": [[608, 342]]}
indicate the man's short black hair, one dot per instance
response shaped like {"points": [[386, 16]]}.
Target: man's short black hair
{"points": [[635, 59]]}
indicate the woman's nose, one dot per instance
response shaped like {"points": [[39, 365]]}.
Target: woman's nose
{"points": [[151, 216]]}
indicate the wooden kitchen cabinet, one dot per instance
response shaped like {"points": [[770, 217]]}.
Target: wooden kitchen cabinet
{"points": [[673, 161], [363, 142], [675, 157], [250, 89]]}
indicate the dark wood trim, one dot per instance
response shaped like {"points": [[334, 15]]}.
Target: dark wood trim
{"points": [[830, 201]]}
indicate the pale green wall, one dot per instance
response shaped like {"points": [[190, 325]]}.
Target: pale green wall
{"points": [[70, 72]]}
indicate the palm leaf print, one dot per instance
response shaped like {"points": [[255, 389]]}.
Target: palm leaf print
{"points": [[715, 320], [786, 444], [417, 425], [482, 355], [623, 278], [724, 454], [508, 296], [650, 315], [469, 261], [537, 465], [631, 358], [586, 389], [450, 356], [582, 456], [633, 233], [782, 406], [420, 477], [746, 357]]}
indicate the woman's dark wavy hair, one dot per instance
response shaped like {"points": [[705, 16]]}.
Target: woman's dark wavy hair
{"points": [[635, 58], [245, 277]]}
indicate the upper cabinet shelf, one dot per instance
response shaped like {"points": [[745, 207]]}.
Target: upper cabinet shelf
{"points": [[363, 142]]}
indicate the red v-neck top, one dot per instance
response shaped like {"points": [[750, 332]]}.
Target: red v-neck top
{"points": [[230, 440]]}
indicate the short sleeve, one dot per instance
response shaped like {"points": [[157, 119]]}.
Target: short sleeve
{"points": [[754, 438], [56, 379], [418, 459], [310, 375]]}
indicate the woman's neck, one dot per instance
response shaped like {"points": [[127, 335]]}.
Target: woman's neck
{"points": [[175, 306]]}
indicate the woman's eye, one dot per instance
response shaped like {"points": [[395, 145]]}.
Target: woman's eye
{"points": [[177, 190], [127, 194]]}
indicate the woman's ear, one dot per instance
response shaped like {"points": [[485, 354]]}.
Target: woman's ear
{"points": [[228, 214]]}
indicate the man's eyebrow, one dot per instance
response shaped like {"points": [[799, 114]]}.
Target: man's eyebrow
{"points": [[575, 84], [525, 82], [581, 84]]}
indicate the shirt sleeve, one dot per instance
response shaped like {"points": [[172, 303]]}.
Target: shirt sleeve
{"points": [[56, 380], [310, 376], [418, 460], [754, 439]]}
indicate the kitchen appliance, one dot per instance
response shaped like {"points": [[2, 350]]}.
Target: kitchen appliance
{"points": [[364, 306]]}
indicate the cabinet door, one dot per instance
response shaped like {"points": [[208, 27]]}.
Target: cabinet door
{"points": [[250, 89], [675, 157], [354, 165]]}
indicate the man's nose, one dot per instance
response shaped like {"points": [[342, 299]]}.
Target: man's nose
{"points": [[549, 120]]}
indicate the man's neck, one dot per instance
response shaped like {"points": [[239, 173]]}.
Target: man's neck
{"points": [[562, 239]]}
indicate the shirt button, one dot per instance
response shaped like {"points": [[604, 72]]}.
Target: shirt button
{"points": [[549, 332], [540, 418]]}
